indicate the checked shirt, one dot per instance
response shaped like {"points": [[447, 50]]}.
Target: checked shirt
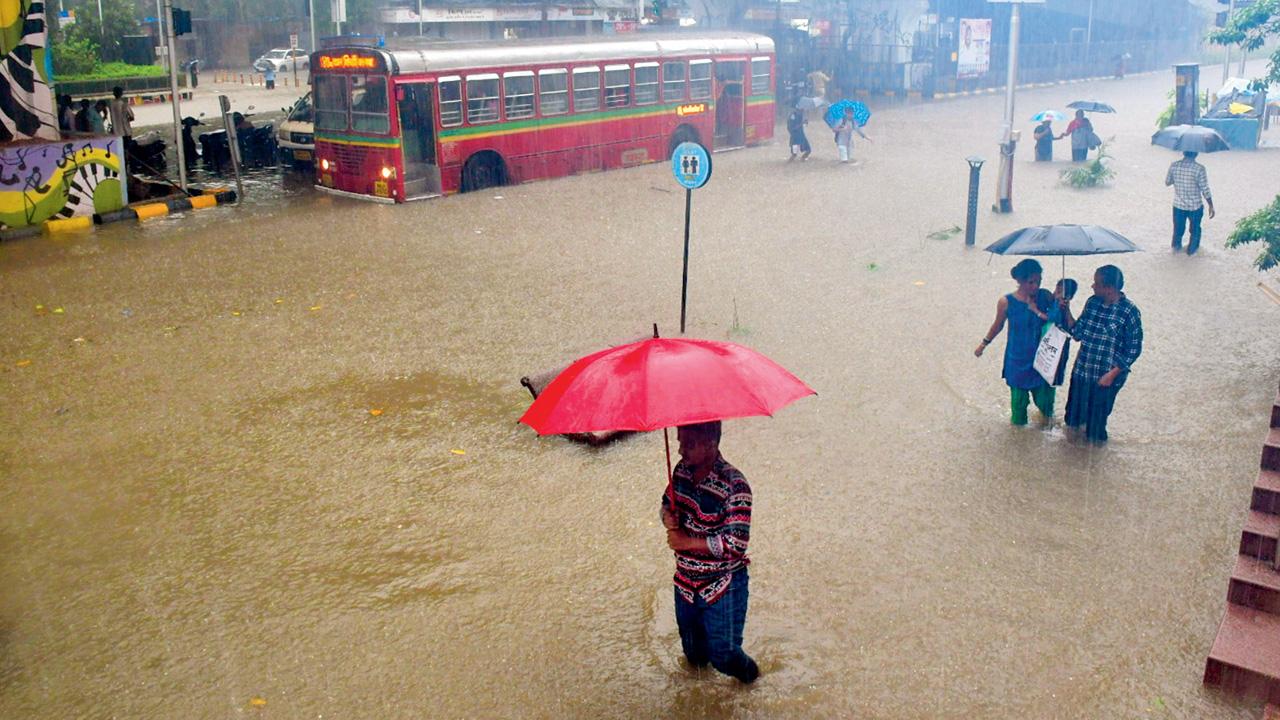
{"points": [[1190, 182], [1110, 336]]}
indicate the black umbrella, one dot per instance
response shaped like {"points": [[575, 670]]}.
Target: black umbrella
{"points": [[1190, 138], [1062, 240], [1091, 106]]}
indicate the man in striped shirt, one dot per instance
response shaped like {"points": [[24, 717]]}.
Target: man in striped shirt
{"points": [[1110, 333], [1190, 182], [709, 532]]}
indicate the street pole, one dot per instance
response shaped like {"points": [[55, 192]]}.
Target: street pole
{"points": [[1226, 61], [311, 18], [172, 40], [102, 24], [419, 17], [684, 277], [1009, 141], [971, 220], [160, 36]]}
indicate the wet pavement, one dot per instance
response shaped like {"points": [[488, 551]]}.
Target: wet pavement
{"points": [[264, 459]]}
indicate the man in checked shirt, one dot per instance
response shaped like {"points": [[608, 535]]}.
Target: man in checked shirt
{"points": [[709, 533], [1110, 334], [1190, 182]]}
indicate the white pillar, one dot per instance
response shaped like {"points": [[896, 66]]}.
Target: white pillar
{"points": [[177, 103]]}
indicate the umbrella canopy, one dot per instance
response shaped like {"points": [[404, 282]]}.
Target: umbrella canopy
{"points": [[1062, 240], [1053, 115], [861, 113], [661, 383], [1091, 106], [1190, 138]]}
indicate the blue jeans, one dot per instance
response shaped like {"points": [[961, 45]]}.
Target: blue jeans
{"points": [[1180, 218], [713, 633]]}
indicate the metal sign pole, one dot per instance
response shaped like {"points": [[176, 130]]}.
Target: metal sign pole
{"points": [[177, 101], [691, 165], [684, 278], [233, 146]]}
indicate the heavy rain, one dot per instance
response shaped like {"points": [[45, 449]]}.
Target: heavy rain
{"points": [[263, 459]]}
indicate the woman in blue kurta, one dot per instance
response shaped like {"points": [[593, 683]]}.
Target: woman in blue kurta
{"points": [[1027, 310]]}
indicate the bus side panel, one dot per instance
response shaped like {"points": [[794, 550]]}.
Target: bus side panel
{"points": [[760, 120]]}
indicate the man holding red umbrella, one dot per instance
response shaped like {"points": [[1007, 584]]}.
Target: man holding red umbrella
{"points": [[709, 533]]}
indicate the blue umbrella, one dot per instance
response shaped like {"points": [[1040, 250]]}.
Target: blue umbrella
{"points": [[861, 114], [1062, 240], [1053, 115]]}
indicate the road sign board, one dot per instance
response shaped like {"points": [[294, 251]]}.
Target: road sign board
{"points": [[691, 165], [293, 40]]}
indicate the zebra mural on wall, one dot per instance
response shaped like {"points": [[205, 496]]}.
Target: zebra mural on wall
{"points": [[26, 100]]}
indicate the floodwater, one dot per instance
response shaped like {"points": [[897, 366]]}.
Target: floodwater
{"points": [[265, 462]]}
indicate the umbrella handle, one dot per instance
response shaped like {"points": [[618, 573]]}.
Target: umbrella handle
{"points": [[671, 487]]}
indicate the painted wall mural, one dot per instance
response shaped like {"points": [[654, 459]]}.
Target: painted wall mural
{"points": [[47, 181], [26, 100]]}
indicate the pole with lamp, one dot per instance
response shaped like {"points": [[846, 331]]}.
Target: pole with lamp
{"points": [[1226, 61], [1009, 136]]}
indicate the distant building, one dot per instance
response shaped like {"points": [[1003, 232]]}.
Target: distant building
{"points": [[498, 19]]}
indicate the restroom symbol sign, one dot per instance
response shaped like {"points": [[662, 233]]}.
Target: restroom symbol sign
{"points": [[691, 165]]}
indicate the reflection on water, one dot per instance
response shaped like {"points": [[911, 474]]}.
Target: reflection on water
{"points": [[202, 506]]}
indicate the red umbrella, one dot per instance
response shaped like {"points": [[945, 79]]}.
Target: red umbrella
{"points": [[662, 383]]}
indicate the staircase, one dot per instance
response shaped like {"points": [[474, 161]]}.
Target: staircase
{"points": [[1245, 658]]}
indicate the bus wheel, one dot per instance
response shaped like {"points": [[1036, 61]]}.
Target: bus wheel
{"points": [[683, 134], [482, 171]]}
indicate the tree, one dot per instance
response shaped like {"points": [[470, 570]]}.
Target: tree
{"points": [[119, 18], [1262, 226], [1250, 28]]}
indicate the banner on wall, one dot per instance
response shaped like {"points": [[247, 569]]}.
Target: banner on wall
{"points": [[973, 58]]}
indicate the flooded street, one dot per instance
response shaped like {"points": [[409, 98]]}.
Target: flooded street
{"points": [[271, 452]]}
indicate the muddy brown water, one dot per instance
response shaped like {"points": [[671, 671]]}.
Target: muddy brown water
{"points": [[200, 511]]}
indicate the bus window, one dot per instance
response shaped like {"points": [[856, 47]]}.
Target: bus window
{"points": [[482, 98], [553, 88], [450, 101], [699, 79], [331, 102], [646, 83], [518, 101], [672, 82], [760, 76], [369, 104], [586, 89], [617, 86]]}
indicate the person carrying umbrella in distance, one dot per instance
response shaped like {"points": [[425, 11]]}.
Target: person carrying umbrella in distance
{"points": [[691, 385], [844, 131], [1082, 137], [1044, 134], [798, 140], [1190, 182]]}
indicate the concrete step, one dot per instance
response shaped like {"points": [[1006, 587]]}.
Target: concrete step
{"points": [[1255, 584], [1245, 658], [1260, 536], [1271, 450], [1266, 493]]}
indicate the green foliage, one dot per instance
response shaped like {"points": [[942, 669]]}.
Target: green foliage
{"points": [[1092, 174], [1165, 118], [74, 57], [113, 71], [119, 18], [1250, 28], [945, 233], [1263, 226]]}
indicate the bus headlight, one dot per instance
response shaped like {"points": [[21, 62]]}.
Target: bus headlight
{"points": [[324, 164], [386, 173]]}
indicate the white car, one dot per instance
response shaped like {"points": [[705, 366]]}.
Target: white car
{"points": [[295, 135], [281, 59]]}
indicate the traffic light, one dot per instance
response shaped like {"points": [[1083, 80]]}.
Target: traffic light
{"points": [[181, 21]]}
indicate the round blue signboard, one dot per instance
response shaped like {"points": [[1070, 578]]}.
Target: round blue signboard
{"points": [[691, 164]]}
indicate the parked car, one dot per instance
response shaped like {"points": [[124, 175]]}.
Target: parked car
{"points": [[281, 59], [296, 133]]}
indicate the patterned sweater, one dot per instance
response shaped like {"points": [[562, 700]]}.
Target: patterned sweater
{"points": [[718, 509]]}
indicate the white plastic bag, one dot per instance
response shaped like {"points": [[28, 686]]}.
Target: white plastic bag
{"points": [[1050, 352]]}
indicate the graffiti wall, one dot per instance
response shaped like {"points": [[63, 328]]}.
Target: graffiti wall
{"points": [[26, 111], [48, 181]]}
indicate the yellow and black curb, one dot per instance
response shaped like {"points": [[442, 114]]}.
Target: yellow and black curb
{"points": [[142, 211]]}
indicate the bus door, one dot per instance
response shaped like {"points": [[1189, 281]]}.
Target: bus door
{"points": [[731, 104], [418, 138]]}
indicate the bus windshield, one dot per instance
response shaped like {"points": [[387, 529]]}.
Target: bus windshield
{"points": [[352, 102]]}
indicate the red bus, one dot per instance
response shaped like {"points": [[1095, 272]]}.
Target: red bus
{"points": [[403, 124]]}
